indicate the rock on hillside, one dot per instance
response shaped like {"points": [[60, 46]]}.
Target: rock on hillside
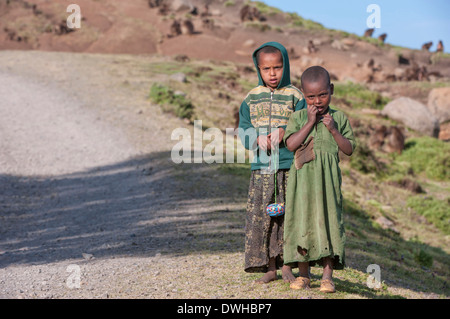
{"points": [[413, 114], [439, 103]]}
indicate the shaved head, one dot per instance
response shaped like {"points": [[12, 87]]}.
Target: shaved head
{"points": [[268, 50], [315, 74]]}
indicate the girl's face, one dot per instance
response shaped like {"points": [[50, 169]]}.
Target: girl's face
{"points": [[318, 94], [271, 69]]}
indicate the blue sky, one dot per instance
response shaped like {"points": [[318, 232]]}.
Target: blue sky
{"points": [[408, 23]]}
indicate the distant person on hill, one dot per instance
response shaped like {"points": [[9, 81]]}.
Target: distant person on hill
{"points": [[265, 113], [313, 229]]}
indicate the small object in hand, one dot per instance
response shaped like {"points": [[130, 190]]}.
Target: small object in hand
{"points": [[275, 210], [305, 153]]}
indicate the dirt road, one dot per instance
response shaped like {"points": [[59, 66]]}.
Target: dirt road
{"points": [[91, 204]]}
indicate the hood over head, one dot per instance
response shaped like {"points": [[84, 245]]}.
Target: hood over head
{"points": [[286, 78]]}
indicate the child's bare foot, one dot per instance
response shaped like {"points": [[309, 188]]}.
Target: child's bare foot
{"points": [[286, 274], [271, 273], [269, 276]]}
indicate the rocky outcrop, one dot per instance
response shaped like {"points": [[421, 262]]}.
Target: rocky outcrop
{"points": [[412, 114], [439, 103]]}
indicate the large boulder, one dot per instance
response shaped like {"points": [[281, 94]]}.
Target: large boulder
{"points": [[182, 5], [413, 114], [439, 103]]}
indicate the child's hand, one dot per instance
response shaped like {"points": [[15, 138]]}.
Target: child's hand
{"points": [[276, 137], [312, 113], [329, 122], [264, 142]]}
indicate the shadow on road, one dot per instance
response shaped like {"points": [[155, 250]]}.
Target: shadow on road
{"points": [[141, 206]]}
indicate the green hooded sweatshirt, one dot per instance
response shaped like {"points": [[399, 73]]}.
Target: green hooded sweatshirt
{"points": [[263, 111]]}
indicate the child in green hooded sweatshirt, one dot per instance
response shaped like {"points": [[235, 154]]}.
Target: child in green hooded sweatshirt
{"points": [[263, 117]]}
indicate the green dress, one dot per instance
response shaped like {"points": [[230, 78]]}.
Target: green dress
{"points": [[313, 218]]}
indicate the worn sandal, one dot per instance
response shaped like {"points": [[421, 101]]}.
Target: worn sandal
{"points": [[301, 283], [327, 286]]}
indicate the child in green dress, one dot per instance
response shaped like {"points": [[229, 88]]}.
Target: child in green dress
{"points": [[313, 228]]}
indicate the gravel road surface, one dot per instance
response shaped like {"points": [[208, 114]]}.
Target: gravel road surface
{"points": [[91, 204]]}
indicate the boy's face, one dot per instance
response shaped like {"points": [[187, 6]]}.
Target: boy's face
{"points": [[318, 94], [271, 69]]}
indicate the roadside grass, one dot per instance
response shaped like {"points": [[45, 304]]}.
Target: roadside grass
{"points": [[434, 210], [171, 102], [429, 156], [216, 89], [357, 96]]}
